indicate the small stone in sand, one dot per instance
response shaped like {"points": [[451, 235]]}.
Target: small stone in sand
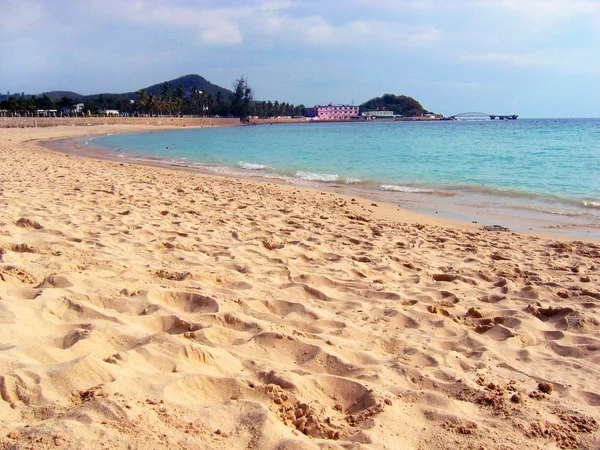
{"points": [[516, 398]]}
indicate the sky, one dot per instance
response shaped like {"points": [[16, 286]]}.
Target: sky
{"points": [[535, 58]]}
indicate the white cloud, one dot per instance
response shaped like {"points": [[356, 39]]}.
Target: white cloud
{"points": [[402, 6], [519, 18], [548, 10], [275, 5], [532, 9], [272, 20], [214, 26], [317, 31], [228, 34], [569, 60], [514, 59], [20, 15]]}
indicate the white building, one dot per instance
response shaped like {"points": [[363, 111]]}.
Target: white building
{"points": [[379, 114], [46, 112]]}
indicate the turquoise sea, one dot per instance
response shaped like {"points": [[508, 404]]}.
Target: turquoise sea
{"points": [[526, 174]]}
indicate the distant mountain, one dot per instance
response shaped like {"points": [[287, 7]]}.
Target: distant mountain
{"points": [[57, 95], [187, 81]]}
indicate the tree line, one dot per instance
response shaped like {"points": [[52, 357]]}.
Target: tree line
{"points": [[21, 105], [171, 101], [179, 101]]}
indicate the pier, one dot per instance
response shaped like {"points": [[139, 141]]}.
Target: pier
{"points": [[509, 117], [482, 116]]}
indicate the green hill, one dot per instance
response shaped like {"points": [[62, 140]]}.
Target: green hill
{"points": [[399, 104]]}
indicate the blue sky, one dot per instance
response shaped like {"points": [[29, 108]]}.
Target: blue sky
{"points": [[536, 58]]}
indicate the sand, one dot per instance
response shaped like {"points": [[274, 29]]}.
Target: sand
{"points": [[146, 308]]}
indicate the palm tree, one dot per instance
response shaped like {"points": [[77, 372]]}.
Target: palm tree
{"points": [[167, 96], [193, 92], [32, 106], [142, 101], [197, 99], [202, 100], [210, 102], [152, 103], [180, 96]]}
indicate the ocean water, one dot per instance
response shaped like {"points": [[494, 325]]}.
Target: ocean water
{"points": [[529, 174]]}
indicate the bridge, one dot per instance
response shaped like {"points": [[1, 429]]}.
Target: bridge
{"points": [[482, 116]]}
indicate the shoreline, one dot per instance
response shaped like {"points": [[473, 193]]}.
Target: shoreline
{"points": [[432, 209], [148, 307], [164, 122]]}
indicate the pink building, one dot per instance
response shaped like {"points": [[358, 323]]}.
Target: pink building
{"points": [[332, 112]]}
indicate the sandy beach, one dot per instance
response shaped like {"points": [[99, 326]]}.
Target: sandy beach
{"points": [[146, 308]]}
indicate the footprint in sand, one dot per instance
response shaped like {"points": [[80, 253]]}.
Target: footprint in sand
{"points": [[24, 222], [185, 301], [55, 282], [20, 248], [74, 336]]}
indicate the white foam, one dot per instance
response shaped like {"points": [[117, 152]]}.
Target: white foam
{"points": [[590, 204], [91, 139], [311, 176], [407, 189], [252, 166], [353, 180], [559, 212], [219, 169]]}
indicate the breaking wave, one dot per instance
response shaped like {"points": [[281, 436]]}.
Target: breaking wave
{"points": [[590, 204], [311, 176], [414, 190], [353, 181], [253, 166]]}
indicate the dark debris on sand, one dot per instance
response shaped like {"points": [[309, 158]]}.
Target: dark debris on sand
{"points": [[495, 228]]}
